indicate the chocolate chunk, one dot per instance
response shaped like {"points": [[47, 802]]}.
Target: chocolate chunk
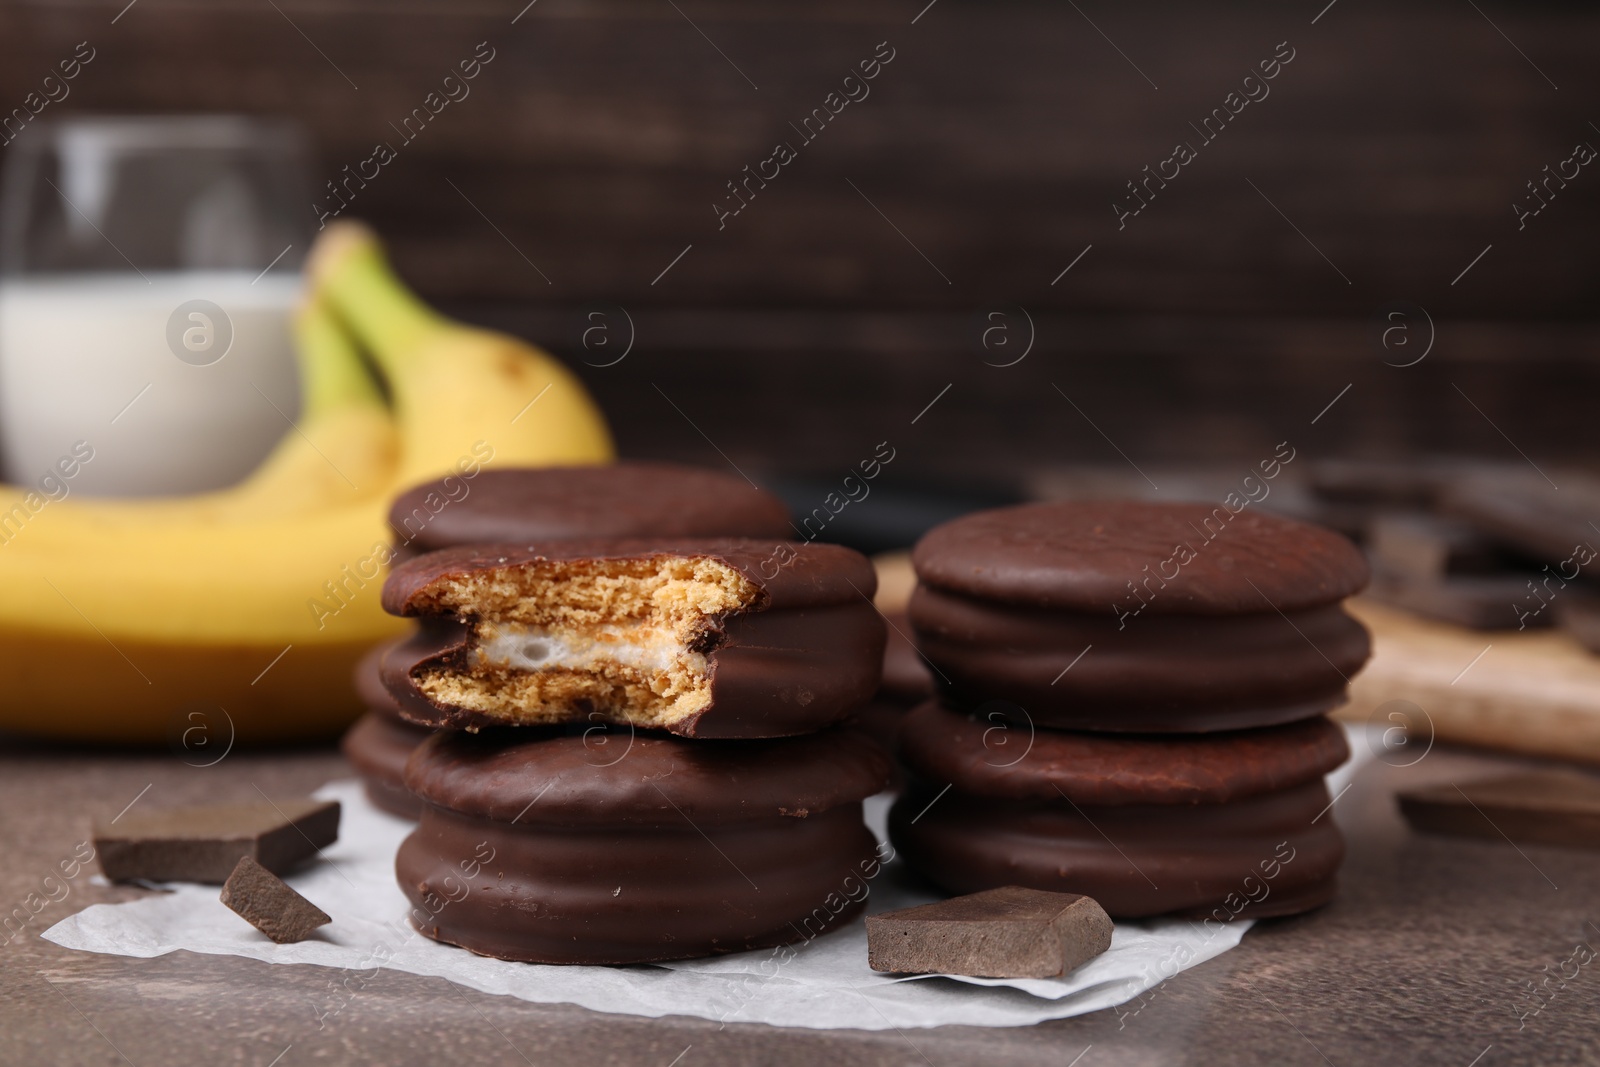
{"points": [[204, 844], [1449, 570], [269, 904], [1526, 511], [707, 638], [1009, 932], [1539, 807], [1387, 483], [1421, 546], [1478, 602]]}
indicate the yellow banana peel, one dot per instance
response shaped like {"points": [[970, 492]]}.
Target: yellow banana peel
{"points": [[452, 385]]}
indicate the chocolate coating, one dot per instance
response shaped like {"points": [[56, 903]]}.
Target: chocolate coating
{"points": [[1156, 673], [906, 677], [1255, 858], [618, 776], [629, 499], [989, 757], [880, 720], [556, 849], [808, 653], [369, 682], [378, 747], [1082, 555]]}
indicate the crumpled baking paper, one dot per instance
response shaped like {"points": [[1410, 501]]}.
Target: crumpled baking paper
{"points": [[822, 984]]}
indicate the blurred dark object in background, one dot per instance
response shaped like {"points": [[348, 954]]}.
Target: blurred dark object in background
{"points": [[575, 183], [1491, 546], [898, 514]]}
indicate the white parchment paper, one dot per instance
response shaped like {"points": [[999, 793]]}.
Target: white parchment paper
{"points": [[822, 984]]}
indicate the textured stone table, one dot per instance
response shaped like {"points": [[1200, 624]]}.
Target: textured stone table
{"points": [[1427, 957]]}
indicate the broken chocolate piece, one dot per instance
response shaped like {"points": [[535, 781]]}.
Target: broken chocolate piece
{"points": [[1498, 602], [1387, 483], [1559, 808], [1009, 932], [269, 904], [716, 638], [1526, 511], [1421, 546], [1448, 570], [204, 844]]}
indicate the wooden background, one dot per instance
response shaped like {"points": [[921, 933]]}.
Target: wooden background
{"points": [[810, 329]]}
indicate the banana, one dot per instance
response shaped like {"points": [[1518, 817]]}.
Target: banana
{"points": [[122, 627], [258, 625], [452, 385]]}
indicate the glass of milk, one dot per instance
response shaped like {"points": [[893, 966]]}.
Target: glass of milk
{"points": [[149, 268]]}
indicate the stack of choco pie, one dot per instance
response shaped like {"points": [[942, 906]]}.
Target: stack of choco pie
{"points": [[630, 499], [1131, 706], [638, 757]]}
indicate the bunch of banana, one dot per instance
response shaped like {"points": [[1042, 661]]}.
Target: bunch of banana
{"points": [[245, 610]]}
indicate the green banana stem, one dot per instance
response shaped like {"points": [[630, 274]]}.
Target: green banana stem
{"points": [[331, 372], [350, 272]]}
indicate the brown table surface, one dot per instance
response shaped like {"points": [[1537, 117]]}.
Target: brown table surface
{"points": [[1430, 955]]}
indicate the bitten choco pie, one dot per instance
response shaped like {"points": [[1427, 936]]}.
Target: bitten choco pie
{"points": [[721, 638]]}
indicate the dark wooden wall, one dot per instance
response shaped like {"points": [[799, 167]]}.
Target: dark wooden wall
{"points": [[809, 329]]}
